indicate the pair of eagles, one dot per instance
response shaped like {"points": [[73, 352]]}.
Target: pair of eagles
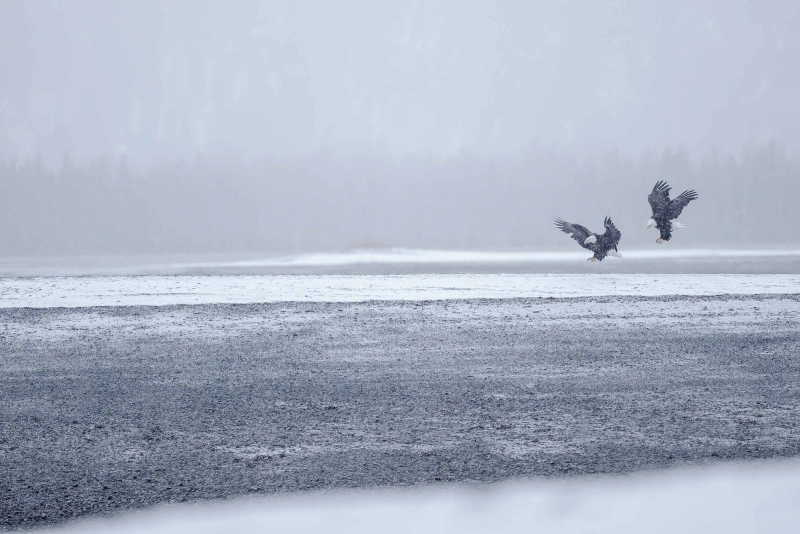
{"points": [[665, 211]]}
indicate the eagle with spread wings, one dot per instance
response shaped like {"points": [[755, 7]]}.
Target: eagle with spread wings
{"points": [[665, 211], [601, 244]]}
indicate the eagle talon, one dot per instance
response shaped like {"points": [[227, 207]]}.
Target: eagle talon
{"points": [[659, 241], [592, 259]]}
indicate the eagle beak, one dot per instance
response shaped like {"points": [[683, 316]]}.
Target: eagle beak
{"points": [[648, 226], [586, 241]]}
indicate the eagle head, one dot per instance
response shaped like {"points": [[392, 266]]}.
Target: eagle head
{"points": [[590, 239], [650, 223]]}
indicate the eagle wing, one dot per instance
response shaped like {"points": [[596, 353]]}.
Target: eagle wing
{"points": [[675, 207], [659, 196], [579, 233], [612, 235]]}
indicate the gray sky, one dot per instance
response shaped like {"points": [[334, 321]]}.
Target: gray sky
{"points": [[247, 78]]}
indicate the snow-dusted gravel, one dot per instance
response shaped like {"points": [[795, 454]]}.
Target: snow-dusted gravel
{"points": [[109, 408]]}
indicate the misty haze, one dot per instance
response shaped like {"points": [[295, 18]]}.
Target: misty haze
{"points": [[271, 127], [399, 266]]}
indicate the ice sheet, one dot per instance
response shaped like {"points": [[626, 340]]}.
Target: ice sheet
{"points": [[171, 290]]}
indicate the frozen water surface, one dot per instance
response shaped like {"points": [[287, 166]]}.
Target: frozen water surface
{"points": [[169, 290]]}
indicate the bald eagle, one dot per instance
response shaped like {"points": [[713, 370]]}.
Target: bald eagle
{"points": [[666, 210], [601, 245]]}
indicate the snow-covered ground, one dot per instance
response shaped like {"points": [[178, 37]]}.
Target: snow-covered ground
{"points": [[170, 290], [763, 497], [743, 498]]}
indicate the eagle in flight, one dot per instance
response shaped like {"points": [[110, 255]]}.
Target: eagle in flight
{"points": [[600, 244], [665, 211]]}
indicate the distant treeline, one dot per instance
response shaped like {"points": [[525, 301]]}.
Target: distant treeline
{"points": [[326, 201]]}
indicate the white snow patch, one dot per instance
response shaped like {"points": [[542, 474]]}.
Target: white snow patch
{"points": [[735, 499]]}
